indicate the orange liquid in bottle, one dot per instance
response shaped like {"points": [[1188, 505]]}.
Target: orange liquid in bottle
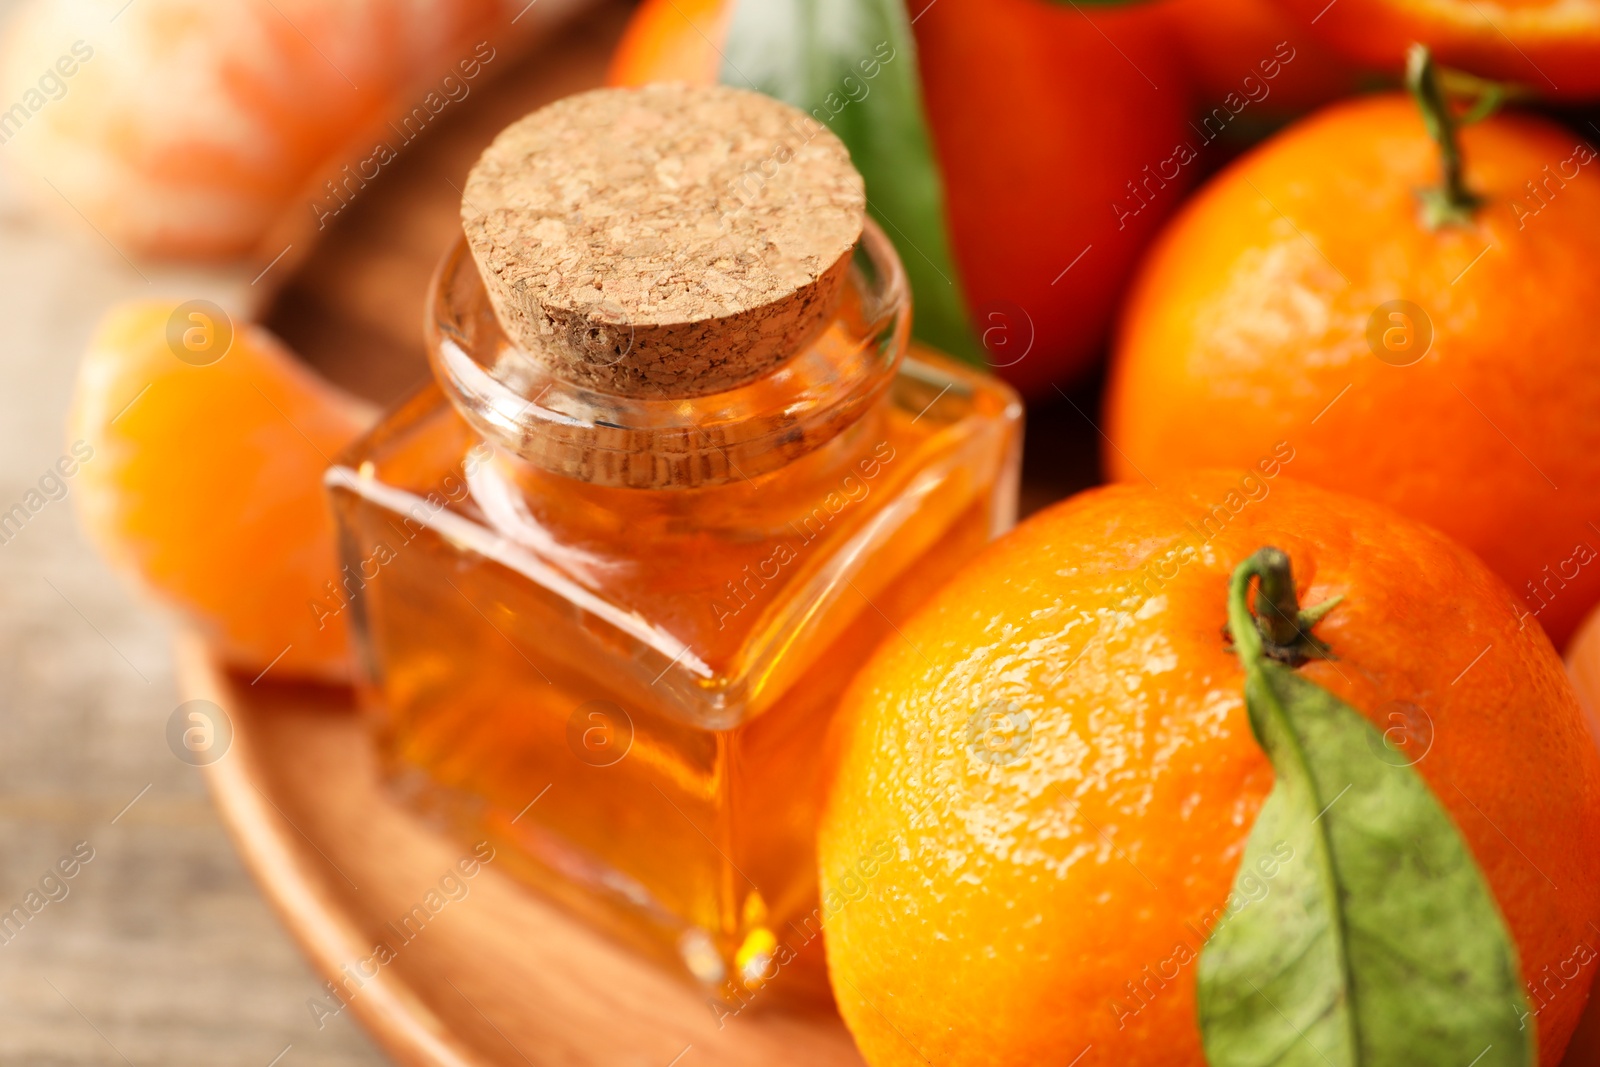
{"points": [[630, 689]]}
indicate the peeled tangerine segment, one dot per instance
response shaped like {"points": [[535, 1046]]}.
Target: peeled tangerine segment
{"points": [[206, 480]]}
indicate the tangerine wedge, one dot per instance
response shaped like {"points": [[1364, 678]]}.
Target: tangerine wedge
{"points": [[205, 482]]}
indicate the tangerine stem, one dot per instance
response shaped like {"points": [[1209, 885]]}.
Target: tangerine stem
{"points": [[1277, 607], [1278, 628], [1451, 202]]}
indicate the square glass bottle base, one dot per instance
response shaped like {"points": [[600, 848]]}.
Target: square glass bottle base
{"points": [[629, 690]]}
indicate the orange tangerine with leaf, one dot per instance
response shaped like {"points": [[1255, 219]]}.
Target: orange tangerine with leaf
{"points": [[1055, 773]]}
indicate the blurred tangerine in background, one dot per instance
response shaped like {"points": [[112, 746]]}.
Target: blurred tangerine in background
{"points": [[190, 134], [1551, 46]]}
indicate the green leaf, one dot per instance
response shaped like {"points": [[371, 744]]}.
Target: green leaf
{"points": [[1376, 939], [853, 65]]}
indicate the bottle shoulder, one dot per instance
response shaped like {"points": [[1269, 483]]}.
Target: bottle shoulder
{"points": [[726, 580]]}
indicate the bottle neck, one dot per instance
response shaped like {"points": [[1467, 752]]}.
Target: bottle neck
{"points": [[520, 404]]}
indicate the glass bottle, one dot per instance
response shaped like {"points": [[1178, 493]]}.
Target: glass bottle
{"points": [[610, 632]]}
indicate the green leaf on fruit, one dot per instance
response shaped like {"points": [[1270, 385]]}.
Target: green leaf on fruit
{"points": [[1379, 942], [852, 64]]}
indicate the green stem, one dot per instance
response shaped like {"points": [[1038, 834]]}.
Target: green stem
{"points": [[1450, 202], [1241, 624], [1279, 629], [1277, 607]]}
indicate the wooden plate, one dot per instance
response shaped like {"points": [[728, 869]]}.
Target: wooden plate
{"points": [[495, 976]]}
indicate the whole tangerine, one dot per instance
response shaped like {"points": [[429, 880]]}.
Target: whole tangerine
{"points": [[1451, 372], [1046, 781]]}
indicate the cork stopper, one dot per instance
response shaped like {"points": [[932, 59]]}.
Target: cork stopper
{"points": [[668, 241]]}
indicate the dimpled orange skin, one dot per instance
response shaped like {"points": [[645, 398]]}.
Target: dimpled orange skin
{"points": [[206, 486], [1020, 899], [1249, 319]]}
